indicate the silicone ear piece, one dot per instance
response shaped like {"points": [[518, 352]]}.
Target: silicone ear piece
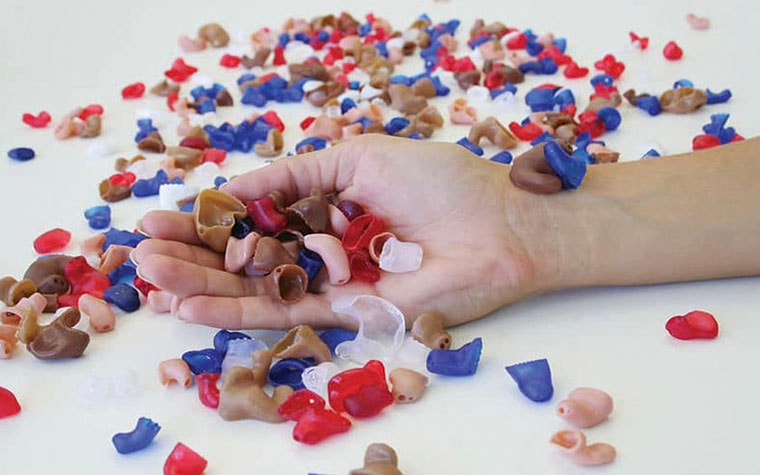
{"points": [[585, 407], [381, 327], [573, 444]]}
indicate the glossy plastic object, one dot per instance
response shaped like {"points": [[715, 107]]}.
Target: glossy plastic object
{"points": [[98, 312], [265, 214], [362, 392], [288, 371], [317, 424], [37, 121], [242, 397], [123, 296], [58, 340], [398, 256], [568, 168], [672, 51], [175, 371], [287, 283], [332, 254], [379, 459], [335, 336], [298, 403], [52, 241], [98, 217], [534, 379], [21, 154], [381, 327], [361, 230], [184, 461], [585, 407], [83, 279], [316, 378], [208, 392], [207, 360], [428, 329], [573, 444], [407, 385], [696, 324], [9, 405], [215, 213], [133, 91], [239, 353], [139, 438], [461, 362], [223, 337]]}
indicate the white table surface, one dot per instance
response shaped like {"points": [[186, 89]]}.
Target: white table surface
{"points": [[680, 407]]}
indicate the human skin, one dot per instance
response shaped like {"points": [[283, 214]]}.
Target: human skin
{"points": [[486, 243]]}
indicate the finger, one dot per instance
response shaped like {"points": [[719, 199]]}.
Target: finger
{"points": [[259, 312], [186, 252], [328, 170], [185, 279], [170, 225]]}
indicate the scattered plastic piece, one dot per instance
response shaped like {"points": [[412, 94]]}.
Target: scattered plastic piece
{"points": [[696, 324], [139, 438], [361, 392], [573, 444], [335, 336], [298, 403], [98, 217], [718, 97], [184, 461], [123, 296], [381, 327], [568, 168], [317, 424], [502, 157], [534, 379], [223, 338], [52, 241], [407, 385], [316, 378], [9, 405], [672, 51], [398, 256], [428, 329], [208, 392], [133, 91], [697, 22], [175, 371], [21, 154], [585, 407], [288, 371], [38, 121], [207, 360], [460, 362]]}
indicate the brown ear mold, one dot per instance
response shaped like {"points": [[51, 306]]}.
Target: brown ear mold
{"points": [[48, 274], [287, 283], [215, 213], [312, 210], [531, 172], [240, 397], [428, 329], [379, 459], [268, 255], [302, 342], [682, 100], [214, 34], [58, 340], [12, 291], [494, 131]]}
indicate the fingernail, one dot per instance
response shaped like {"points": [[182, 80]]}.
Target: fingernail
{"points": [[140, 229]]}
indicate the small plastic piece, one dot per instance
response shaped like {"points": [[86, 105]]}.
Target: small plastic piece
{"points": [[379, 459], [361, 230], [288, 371], [265, 214], [215, 213], [568, 168], [242, 397], [287, 283], [139, 438], [333, 255], [428, 329], [298, 403], [573, 444], [58, 340], [585, 407], [184, 461], [239, 353], [697, 22], [696, 324], [398, 256], [38, 121], [381, 327], [534, 379], [99, 314], [208, 392], [98, 217], [207, 360], [9, 405], [315, 378], [361, 392], [133, 91], [407, 385], [52, 241], [123, 296], [460, 362], [317, 424], [21, 154], [302, 342], [222, 339], [672, 51]]}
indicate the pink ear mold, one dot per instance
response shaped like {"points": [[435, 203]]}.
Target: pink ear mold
{"points": [[462, 113], [8, 341], [572, 443], [98, 312], [334, 256], [240, 252], [697, 22], [585, 407], [175, 371], [407, 385]]}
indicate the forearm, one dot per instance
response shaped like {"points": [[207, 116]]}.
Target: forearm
{"points": [[689, 217]]}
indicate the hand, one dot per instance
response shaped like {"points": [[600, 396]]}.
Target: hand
{"points": [[475, 228]]}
